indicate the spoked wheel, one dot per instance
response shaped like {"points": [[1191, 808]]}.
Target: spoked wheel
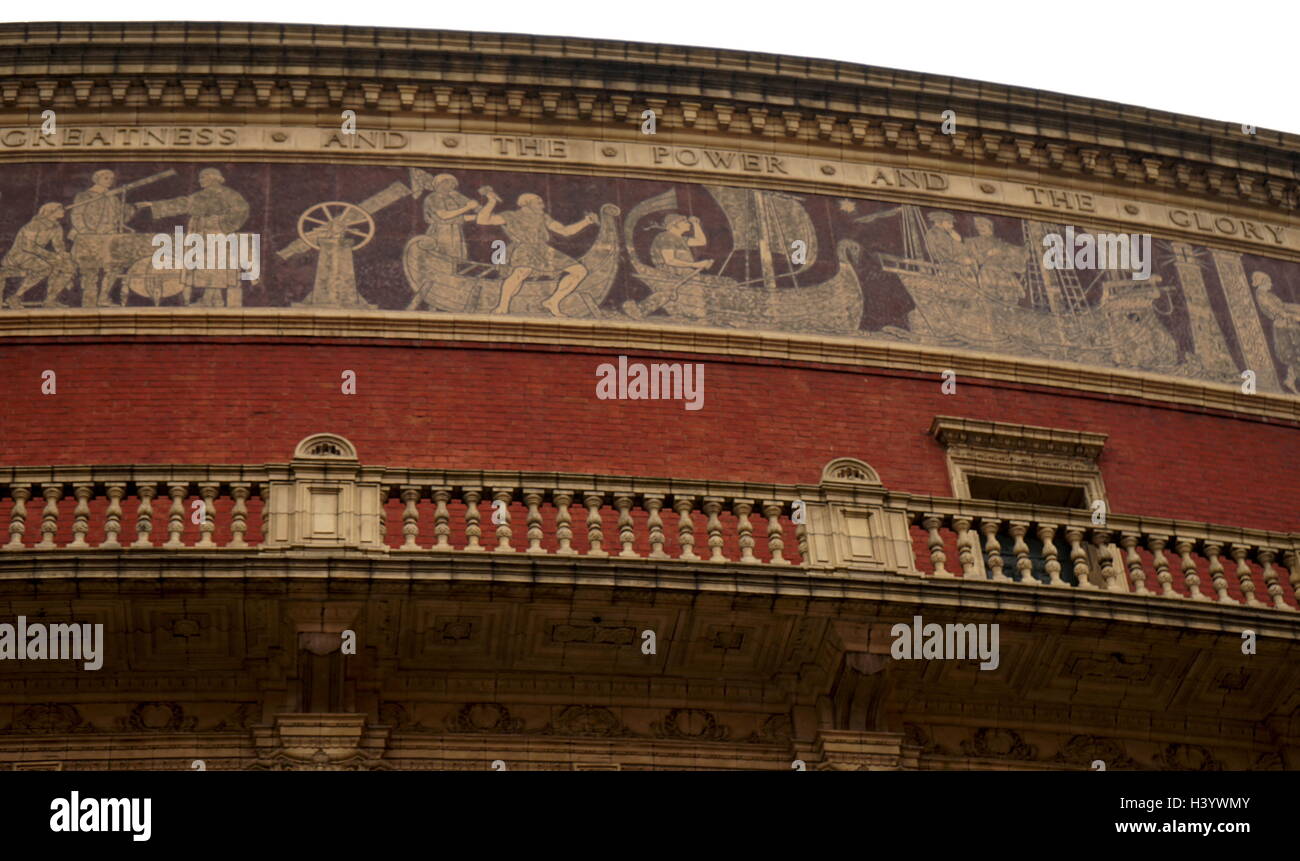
{"points": [[338, 218]]}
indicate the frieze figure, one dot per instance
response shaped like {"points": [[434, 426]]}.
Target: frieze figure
{"points": [[1285, 317], [38, 254], [214, 209], [529, 228], [99, 215], [671, 254]]}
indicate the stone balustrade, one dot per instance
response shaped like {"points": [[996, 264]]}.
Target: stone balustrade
{"points": [[326, 502], [1042, 547], [132, 508], [592, 516], [330, 502]]}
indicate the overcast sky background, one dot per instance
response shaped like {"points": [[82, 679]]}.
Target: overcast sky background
{"points": [[1225, 60]]}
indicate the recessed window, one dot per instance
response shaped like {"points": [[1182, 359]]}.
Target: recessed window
{"points": [[1021, 463], [1027, 492]]}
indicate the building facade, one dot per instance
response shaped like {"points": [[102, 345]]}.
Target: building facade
{"points": [[431, 400]]}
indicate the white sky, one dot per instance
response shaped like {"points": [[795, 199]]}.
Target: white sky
{"points": [[1227, 60]]}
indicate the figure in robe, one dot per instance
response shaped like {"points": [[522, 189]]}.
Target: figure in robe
{"points": [[1001, 264], [98, 216], [1285, 317], [944, 242], [214, 209], [446, 211]]}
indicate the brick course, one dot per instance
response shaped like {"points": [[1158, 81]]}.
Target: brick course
{"points": [[508, 407]]}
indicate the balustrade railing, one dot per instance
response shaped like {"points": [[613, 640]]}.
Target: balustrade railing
{"points": [[592, 516], [182, 508], [117, 508], [1042, 547], [847, 524]]}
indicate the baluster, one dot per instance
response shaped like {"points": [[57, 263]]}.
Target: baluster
{"points": [[563, 522], [1051, 562], [1024, 565], [1212, 551], [441, 519], [410, 495], [533, 499], [626, 535], [775, 534], [967, 548], [113, 515], [1106, 560], [741, 509], [50, 515], [1133, 560], [1191, 577], [685, 525], [1078, 559], [1292, 559], [81, 514], [239, 514], [1156, 544], [938, 558], [209, 524], [503, 531], [176, 514], [801, 536], [264, 494], [595, 535], [384, 491], [472, 515], [1244, 576], [18, 516], [653, 503], [1271, 582], [713, 505], [992, 549], [144, 513]]}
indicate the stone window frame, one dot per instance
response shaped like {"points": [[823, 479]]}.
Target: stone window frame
{"points": [[1029, 453]]}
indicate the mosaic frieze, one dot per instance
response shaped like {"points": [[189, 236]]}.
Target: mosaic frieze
{"points": [[424, 241]]}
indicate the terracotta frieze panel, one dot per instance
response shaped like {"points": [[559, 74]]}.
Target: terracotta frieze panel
{"points": [[496, 242]]}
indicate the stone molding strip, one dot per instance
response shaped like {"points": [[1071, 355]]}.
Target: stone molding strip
{"points": [[622, 336], [298, 68], [821, 593], [1018, 191]]}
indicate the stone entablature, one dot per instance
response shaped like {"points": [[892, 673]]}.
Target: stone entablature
{"points": [[302, 68]]}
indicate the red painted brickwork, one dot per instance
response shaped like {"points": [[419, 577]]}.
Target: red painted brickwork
{"points": [[487, 407]]}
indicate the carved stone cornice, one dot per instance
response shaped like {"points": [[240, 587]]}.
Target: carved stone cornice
{"points": [[232, 68], [1000, 436]]}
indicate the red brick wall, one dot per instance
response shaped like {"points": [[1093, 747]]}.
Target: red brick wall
{"points": [[505, 407]]}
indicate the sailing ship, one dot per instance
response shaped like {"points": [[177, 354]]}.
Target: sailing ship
{"points": [[1025, 308], [764, 224], [448, 283]]}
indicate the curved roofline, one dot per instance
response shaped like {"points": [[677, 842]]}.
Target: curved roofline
{"points": [[755, 76]]}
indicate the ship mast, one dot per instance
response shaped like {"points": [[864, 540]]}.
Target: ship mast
{"points": [[764, 241]]}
